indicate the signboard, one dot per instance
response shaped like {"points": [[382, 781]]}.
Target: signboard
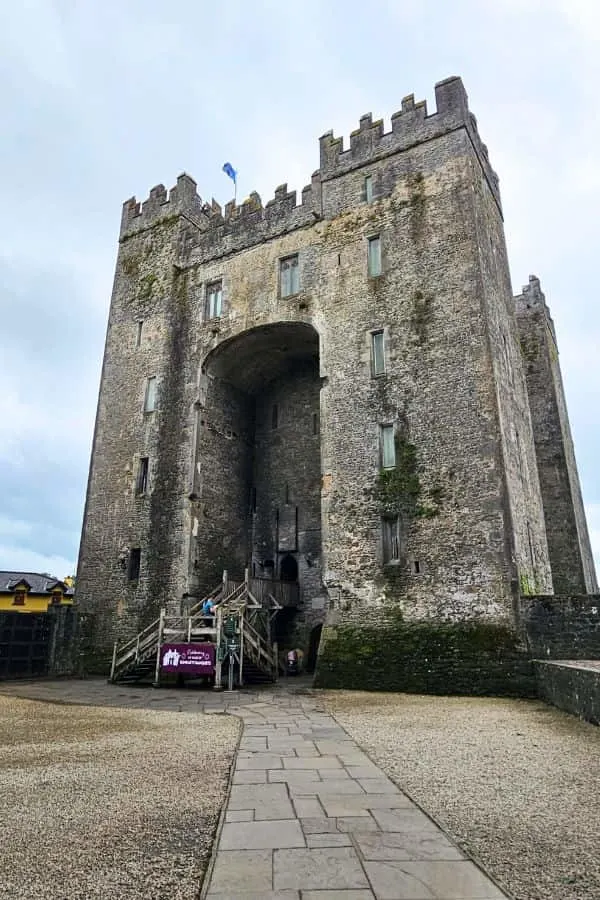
{"points": [[187, 659]]}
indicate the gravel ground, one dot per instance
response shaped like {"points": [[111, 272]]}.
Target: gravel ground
{"points": [[108, 803], [516, 783]]}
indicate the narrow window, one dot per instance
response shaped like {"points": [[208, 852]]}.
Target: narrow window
{"points": [[369, 188], [214, 300], [253, 500], [289, 275], [287, 494], [135, 558], [388, 449], [417, 567], [374, 256], [315, 423], [391, 540], [150, 399], [274, 416], [142, 476], [377, 353], [138, 339]]}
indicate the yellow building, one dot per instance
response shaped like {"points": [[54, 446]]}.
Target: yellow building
{"points": [[30, 592]]}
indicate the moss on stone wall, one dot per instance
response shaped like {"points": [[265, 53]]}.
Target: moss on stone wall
{"points": [[398, 491], [420, 316], [426, 657]]}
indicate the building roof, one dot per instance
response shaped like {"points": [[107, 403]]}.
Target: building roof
{"points": [[38, 583]]}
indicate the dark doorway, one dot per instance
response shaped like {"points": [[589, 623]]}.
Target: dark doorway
{"points": [[283, 625], [288, 569], [313, 648]]}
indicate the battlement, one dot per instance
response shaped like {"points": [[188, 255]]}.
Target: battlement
{"points": [[411, 125], [532, 300], [183, 199]]}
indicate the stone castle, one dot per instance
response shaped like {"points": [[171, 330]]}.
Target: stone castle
{"points": [[342, 397]]}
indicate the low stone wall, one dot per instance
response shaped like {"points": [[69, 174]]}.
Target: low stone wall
{"points": [[425, 657], [558, 627], [574, 687]]}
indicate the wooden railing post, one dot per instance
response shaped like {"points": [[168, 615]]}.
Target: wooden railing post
{"points": [[161, 621], [218, 620], [241, 673], [114, 662]]}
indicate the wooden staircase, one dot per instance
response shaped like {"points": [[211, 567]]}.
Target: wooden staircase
{"points": [[255, 657]]}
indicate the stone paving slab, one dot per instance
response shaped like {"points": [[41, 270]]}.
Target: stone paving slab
{"points": [[311, 817]]}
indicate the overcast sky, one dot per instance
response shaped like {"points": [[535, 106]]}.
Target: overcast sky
{"points": [[101, 99]]}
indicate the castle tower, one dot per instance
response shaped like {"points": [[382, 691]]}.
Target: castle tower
{"points": [[328, 393], [571, 559]]}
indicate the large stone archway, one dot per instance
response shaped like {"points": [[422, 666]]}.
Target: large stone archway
{"points": [[258, 457]]}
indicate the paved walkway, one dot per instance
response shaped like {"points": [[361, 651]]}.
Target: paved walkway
{"points": [[310, 817]]}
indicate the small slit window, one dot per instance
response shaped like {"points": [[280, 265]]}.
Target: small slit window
{"points": [[378, 353], [135, 559], [289, 276], [138, 337], [274, 417], [368, 188], [388, 448], [141, 485], [391, 540], [214, 300], [150, 398], [374, 256]]}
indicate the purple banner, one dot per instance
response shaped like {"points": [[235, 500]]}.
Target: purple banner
{"points": [[187, 659]]}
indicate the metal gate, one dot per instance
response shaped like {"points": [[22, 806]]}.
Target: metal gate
{"points": [[24, 644]]}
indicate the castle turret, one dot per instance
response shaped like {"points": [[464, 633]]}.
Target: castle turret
{"points": [[566, 528]]}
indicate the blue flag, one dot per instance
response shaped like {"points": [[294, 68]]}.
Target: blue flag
{"points": [[229, 170]]}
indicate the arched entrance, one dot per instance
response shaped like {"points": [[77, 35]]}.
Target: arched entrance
{"points": [[313, 648], [288, 569], [258, 461]]}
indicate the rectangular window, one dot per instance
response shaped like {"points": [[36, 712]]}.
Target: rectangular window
{"points": [[142, 476], [274, 416], [315, 421], [135, 558], [374, 256], [253, 500], [214, 300], [391, 540], [150, 399], [378, 353], [138, 339], [388, 448], [290, 276], [368, 188]]}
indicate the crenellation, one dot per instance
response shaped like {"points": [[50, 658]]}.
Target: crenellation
{"points": [[183, 199]]}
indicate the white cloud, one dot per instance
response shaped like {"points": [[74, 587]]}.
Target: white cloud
{"points": [[19, 559]]}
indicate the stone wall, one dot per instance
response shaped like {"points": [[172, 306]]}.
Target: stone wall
{"points": [[561, 627], [571, 558], [574, 688], [476, 658]]}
